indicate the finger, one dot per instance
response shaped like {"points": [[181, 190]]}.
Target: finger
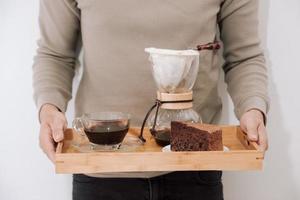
{"points": [[58, 127], [252, 132], [46, 142], [263, 138]]}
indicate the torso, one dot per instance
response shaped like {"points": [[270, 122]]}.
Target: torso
{"points": [[117, 72]]}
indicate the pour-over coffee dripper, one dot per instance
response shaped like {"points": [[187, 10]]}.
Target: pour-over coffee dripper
{"points": [[175, 73]]}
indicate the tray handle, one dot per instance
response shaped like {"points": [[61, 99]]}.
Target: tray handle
{"points": [[245, 141], [59, 147]]}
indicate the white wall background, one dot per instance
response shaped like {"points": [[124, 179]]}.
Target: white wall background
{"points": [[26, 174]]}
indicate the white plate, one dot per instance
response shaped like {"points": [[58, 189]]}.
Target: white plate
{"points": [[168, 148]]}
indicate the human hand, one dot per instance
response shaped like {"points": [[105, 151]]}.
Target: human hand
{"points": [[53, 124], [252, 123]]}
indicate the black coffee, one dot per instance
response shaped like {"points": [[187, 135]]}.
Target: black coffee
{"points": [[106, 135], [162, 137]]}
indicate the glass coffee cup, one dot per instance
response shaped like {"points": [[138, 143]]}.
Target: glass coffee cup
{"points": [[104, 130]]}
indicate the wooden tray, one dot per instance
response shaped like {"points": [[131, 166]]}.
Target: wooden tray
{"points": [[243, 155]]}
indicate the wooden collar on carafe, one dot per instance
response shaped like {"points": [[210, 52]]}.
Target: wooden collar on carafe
{"points": [[177, 101]]}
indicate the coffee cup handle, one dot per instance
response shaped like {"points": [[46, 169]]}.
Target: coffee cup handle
{"points": [[78, 126]]}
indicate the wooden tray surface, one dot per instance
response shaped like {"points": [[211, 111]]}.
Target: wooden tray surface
{"points": [[243, 155]]}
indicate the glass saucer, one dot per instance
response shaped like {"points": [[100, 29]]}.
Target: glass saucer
{"points": [[130, 144]]}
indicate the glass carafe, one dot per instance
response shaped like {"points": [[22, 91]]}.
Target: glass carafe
{"points": [[175, 73]]}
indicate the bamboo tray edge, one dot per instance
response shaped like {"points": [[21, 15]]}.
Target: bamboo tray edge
{"points": [[244, 157]]}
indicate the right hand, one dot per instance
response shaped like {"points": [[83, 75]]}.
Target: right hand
{"points": [[53, 124]]}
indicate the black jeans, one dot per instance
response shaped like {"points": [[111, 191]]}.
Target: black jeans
{"points": [[202, 185]]}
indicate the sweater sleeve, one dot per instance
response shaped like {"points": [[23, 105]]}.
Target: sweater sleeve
{"points": [[245, 68], [54, 64]]}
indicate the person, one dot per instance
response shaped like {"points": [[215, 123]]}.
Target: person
{"points": [[117, 76]]}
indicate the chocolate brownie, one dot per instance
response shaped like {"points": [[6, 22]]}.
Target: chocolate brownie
{"points": [[195, 137]]}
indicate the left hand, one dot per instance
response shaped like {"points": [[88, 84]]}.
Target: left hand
{"points": [[252, 123]]}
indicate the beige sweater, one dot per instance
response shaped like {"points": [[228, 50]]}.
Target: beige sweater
{"points": [[116, 72]]}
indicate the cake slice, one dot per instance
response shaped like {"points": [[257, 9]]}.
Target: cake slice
{"points": [[195, 137]]}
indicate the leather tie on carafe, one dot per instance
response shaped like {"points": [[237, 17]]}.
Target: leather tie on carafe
{"points": [[157, 105]]}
